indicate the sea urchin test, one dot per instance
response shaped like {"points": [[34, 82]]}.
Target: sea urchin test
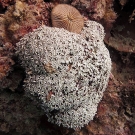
{"points": [[66, 72]]}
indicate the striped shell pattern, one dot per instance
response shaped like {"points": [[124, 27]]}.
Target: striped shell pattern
{"points": [[67, 17]]}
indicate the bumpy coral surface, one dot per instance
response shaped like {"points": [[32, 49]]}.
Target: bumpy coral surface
{"points": [[116, 112], [18, 20], [23, 17], [67, 72], [98, 10]]}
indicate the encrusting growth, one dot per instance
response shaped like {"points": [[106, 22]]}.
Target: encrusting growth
{"points": [[67, 72], [67, 17]]}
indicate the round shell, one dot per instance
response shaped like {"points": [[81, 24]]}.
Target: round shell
{"points": [[67, 17]]}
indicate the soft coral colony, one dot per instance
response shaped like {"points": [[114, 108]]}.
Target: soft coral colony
{"points": [[66, 72]]}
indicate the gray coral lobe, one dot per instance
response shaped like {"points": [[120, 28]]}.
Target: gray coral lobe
{"points": [[69, 71]]}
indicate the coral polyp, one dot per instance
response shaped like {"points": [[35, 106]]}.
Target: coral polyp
{"points": [[67, 17], [68, 72]]}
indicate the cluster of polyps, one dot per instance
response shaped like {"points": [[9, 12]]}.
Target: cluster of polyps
{"points": [[67, 71]]}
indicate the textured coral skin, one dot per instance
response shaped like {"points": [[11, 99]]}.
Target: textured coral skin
{"points": [[67, 17], [22, 18], [68, 73], [96, 9], [25, 15], [116, 112], [18, 20]]}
